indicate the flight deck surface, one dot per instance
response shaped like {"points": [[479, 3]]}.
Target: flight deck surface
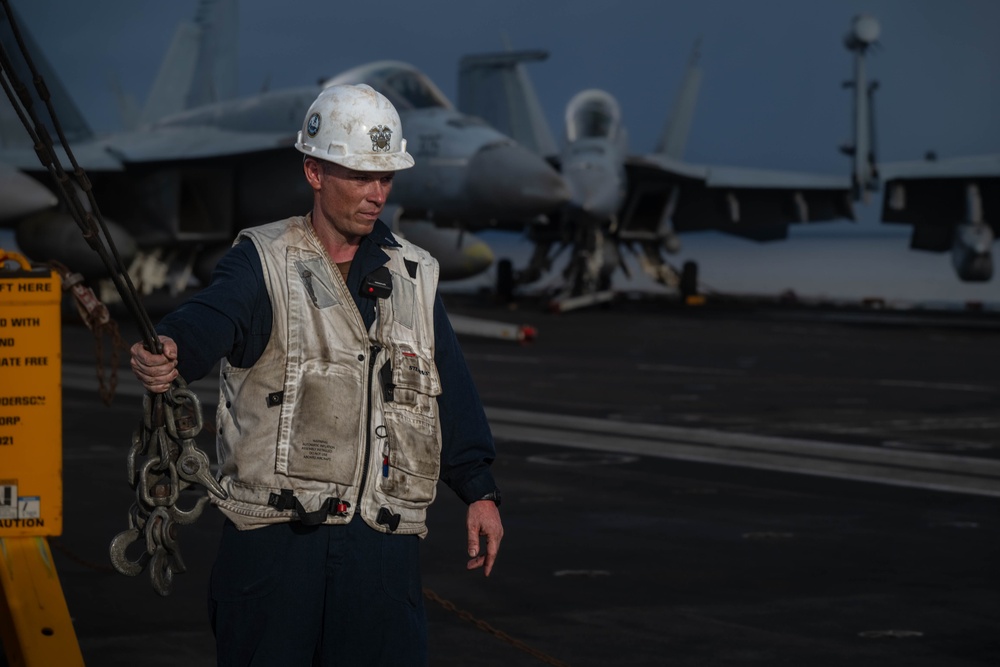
{"points": [[717, 486]]}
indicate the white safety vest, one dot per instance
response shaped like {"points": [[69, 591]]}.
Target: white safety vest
{"points": [[333, 419]]}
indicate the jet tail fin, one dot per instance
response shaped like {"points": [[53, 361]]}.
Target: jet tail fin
{"points": [[216, 70], [496, 87], [71, 120], [200, 66], [173, 81], [678, 125]]}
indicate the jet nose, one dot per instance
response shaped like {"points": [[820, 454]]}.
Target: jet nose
{"points": [[515, 182]]}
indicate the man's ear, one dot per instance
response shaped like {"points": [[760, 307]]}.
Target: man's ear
{"points": [[314, 172]]}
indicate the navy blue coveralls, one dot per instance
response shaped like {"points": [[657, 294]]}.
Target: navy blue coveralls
{"points": [[293, 595]]}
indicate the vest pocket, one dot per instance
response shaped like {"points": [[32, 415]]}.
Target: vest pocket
{"points": [[415, 381], [323, 422], [414, 457]]}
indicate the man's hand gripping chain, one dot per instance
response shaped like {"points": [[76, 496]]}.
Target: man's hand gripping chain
{"points": [[163, 461]]}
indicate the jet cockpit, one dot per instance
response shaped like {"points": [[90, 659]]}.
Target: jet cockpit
{"points": [[592, 114], [405, 86]]}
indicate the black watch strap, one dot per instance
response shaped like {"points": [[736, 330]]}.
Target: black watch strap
{"points": [[493, 495]]}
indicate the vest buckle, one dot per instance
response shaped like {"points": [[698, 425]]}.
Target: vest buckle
{"points": [[387, 518]]}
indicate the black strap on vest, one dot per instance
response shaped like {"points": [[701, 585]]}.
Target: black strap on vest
{"points": [[385, 376], [288, 501], [387, 518]]}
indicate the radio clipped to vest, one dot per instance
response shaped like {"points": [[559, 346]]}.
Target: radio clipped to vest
{"points": [[377, 284]]}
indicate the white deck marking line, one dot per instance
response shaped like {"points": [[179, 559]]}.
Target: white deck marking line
{"points": [[941, 472], [915, 384]]}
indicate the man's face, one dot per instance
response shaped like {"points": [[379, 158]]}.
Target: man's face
{"points": [[350, 201]]}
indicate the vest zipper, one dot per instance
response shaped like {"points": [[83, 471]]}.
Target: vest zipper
{"points": [[374, 350]]}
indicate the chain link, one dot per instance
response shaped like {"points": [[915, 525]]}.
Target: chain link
{"points": [[97, 318], [163, 461]]}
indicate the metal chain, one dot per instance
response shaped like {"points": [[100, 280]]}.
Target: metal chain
{"points": [[170, 421], [162, 462], [97, 318], [428, 593], [486, 627], [73, 556]]}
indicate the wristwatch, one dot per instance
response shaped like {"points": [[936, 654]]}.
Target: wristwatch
{"points": [[493, 495]]}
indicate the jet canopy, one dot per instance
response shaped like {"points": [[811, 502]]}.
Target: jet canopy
{"points": [[405, 86], [592, 114]]}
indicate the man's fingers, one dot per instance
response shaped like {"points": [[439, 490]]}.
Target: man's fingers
{"points": [[155, 371], [492, 548], [483, 520]]}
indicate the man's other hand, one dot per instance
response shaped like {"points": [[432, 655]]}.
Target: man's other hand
{"points": [[483, 520]]}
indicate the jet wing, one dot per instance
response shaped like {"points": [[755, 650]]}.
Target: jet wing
{"points": [[89, 155], [937, 192], [935, 195], [166, 144], [169, 144], [752, 203]]}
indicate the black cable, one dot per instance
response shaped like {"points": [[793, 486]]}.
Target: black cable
{"points": [[88, 221]]}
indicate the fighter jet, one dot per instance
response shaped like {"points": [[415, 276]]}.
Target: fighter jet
{"points": [[952, 204], [179, 187], [640, 202]]}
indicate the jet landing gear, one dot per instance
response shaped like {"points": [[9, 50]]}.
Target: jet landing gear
{"points": [[595, 255], [586, 278], [688, 285]]}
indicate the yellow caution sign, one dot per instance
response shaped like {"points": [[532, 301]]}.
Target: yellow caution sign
{"points": [[30, 399]]}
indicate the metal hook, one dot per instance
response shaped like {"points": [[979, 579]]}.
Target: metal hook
{"points": [[119, 560]]}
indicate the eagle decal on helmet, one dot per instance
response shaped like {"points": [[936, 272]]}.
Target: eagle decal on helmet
{"points": [[381, 136], [313, 126]]}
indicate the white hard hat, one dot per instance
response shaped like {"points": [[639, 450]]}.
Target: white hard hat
{"points": [[356, 127]]}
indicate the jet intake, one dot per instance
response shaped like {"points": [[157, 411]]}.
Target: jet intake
{"points": [[21, 195], [54, 235]]}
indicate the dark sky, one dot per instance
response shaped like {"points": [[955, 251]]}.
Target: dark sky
{"points": [[771, 92], [770, 96]]}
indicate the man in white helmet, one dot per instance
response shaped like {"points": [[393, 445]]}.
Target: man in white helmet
{"points": [[344, 397]]}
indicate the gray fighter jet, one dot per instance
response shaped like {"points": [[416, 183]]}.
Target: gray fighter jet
{"points": [[177, 188], [621, 200], [952, 204]]}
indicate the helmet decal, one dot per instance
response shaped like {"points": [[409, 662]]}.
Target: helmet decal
{"points": [[313, 127], [381, 136]]}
